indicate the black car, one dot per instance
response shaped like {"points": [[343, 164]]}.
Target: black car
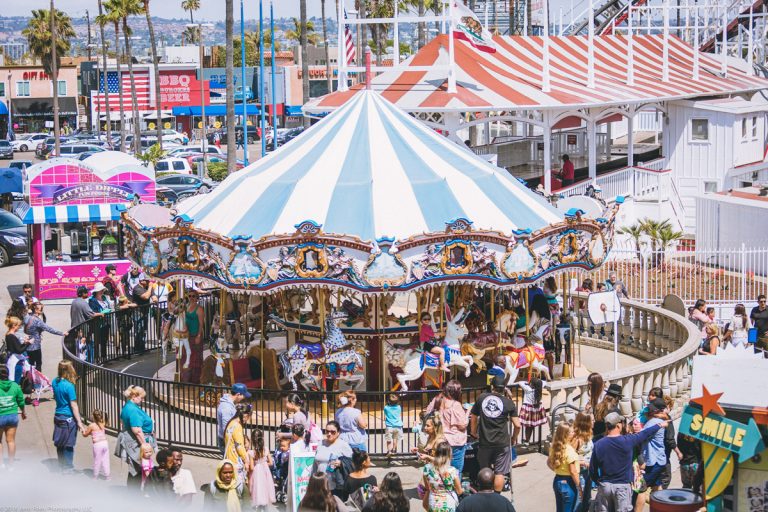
{"points": [[6, 149], [44, 148], [253, 134], [13, 239]]}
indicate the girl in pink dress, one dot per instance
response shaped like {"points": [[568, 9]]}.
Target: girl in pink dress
{"points": [[261, 484]]}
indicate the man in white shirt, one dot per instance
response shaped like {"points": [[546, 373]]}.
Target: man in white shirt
{"points": [[26, 297], [183, 482]]}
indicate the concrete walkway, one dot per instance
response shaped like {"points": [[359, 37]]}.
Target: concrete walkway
{"points": [[35, 481]]}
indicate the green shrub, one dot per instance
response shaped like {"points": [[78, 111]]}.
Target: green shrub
{"points": [[217, 171]]}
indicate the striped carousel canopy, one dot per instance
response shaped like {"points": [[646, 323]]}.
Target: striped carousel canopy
{"points": [[368, 170]]}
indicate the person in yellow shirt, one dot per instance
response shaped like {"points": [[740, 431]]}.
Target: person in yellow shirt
{"points": [[235, 450], [564, 461]]}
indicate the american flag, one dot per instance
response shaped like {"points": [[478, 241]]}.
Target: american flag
{"points": [[349, 44], [115, 86]]}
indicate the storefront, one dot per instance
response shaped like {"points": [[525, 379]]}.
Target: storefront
{"points": [[27, 93], [74, 216], [33, 115]]}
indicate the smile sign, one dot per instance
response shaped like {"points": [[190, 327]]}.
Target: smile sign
{"points": [[744, 440]]}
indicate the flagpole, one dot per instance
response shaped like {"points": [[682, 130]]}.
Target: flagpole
{"points": [[451, 54], [242, 85], [262, 119], [274, 100], [341, 60]]}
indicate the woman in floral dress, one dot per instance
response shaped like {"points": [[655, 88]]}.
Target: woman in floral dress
{"points": [[441, 481]]}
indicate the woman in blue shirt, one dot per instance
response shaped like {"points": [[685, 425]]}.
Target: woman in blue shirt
{"points": [[66, 418], [138, 428]]}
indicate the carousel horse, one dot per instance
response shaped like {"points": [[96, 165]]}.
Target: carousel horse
{"points": [[332, 352], [482, 340], [530, 355], [414, 362], [174, 332], [215, 368], [347, 369]]}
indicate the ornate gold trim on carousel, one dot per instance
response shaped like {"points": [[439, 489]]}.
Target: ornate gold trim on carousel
{"points": [[568, 241], [244, 266], [150, 266], [597, 253], [189, 253], [311, 266], [515, 263], [457, 258], [381, 279]]}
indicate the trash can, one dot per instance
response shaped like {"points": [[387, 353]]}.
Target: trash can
{"points": [[676, 500]]}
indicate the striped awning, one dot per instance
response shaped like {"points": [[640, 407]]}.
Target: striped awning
{"points": [[368, 170], [512, 77], [73, 213]]}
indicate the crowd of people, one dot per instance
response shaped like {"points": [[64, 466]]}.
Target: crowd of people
{"points": [[740, 330]]}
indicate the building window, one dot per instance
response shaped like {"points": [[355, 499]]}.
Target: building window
{"points": [[2, 90], [700, 129], [62, 87], [744, 128], [754, 127], [710, 187], [22, 88]]}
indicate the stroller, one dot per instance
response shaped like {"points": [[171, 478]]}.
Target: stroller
{"points": [[280, 475], [39, 382]]}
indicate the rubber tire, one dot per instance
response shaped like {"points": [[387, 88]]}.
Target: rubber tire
{"points": [[4, 258], [203, 190], [178, 141], [23, 148]]}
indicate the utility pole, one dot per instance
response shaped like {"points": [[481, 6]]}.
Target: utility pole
{"points": [[55, 80], [88, 21]]}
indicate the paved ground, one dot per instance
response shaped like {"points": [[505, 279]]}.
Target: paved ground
{"points": [[35, 481]]}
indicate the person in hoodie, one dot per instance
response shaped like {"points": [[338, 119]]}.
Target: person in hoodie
{"points": [[227, 408], [11, 402]]}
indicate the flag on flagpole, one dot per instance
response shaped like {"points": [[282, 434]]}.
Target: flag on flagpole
{"points": [[349, 44], [468, 28]]}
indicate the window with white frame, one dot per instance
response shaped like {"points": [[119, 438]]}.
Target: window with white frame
{"points": [[62, 87], [22, 88], [744, 128], [754, 127], [700, 130], [710, 187]]}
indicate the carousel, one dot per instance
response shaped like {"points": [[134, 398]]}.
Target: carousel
{"points": [[335, 256]]}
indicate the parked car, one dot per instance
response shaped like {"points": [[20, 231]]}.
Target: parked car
{"points": [[21, 164], [6, 149], [76, 149], [168, 136], [185, 185], [13, 239], [174, 165], [254, 133], [28, 141], [210, 149], [44, 149], [195, 158], [165, 196]]}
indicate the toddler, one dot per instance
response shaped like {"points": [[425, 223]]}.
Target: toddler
{"points": [[147, 465], [393, 421], [98, 433]]}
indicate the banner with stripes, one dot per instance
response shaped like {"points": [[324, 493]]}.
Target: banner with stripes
{"points": [[122, 87]]}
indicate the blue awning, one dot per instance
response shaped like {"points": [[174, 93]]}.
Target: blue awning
{"points": [[221, 110], [73, 213], [10, 181], [180, 111], [293, 110], [3, 109]]}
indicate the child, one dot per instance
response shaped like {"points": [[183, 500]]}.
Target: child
{"points": [[429, 341], [280, 470], [532, 412], [97, 430], [581, 440], [261, 484], [147, 465], [711, 314], [393, 421]]}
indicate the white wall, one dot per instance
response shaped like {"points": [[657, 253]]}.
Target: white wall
{"points": [[721, 224]]}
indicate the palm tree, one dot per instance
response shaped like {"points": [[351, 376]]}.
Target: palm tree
{"points": [[636, 233], [48, 38], [125, 9], [191, 6], [230, 64], [190, 35], [112, 16], [156, 69], [295, 33], [101, 21]]}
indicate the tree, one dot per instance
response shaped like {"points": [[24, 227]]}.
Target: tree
{"points": [[295, 33], [156, 70], [152, 155], [658, 234], [112, 15], [191, 6], [49, 38], [231, 145], [101, 21], [190, 35]]}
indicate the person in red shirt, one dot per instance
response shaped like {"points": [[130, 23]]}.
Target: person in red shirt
{"points": [[429, 341], [568, 171]]}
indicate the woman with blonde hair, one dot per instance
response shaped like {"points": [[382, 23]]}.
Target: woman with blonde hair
{"points": [[711, 342], [353, 423], [564, 461], [433, 428], [137, 429], [441, 482], [66, 418], [581, 440]]}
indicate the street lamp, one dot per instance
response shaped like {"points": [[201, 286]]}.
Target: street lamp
{"points": [[201, 170]]}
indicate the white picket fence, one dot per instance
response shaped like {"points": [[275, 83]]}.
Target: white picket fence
{"points": [[648, 182]]}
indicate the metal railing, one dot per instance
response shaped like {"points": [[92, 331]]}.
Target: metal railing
{"points": [[641, 182]]}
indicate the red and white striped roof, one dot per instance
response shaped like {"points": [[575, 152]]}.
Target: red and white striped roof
{"points": [[511, 78]]}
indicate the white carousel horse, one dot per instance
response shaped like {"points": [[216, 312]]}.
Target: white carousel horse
{"points": [[414, 362], [331, 352], [529, 355], [175, 335]]}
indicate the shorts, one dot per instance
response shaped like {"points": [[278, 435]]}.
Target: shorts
{"points": [[612, 498], [393, 434], [653, 475], [9, 421], [498, 457]]}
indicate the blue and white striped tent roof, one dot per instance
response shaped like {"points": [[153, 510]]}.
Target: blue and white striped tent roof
{"points": [[368, 170]]}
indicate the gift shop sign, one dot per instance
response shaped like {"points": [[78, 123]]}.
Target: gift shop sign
{"points": [[744, 440]]}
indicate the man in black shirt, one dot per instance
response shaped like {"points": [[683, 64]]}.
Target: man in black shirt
{"points": [[489, 423], [141, 296], [485, 499], [759, 317]]}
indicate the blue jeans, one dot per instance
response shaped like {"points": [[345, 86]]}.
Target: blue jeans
{"points": [[66, 456], [360, 446], [565, 493], [457, 457]]}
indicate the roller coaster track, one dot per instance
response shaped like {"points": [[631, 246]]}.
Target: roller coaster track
{"points": [[742, 18]]}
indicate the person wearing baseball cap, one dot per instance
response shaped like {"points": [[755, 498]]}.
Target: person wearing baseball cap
{"points": [[227, 409], [611, 463], [100, 304], [489, 423]]}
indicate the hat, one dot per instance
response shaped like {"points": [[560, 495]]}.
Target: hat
{"points": [[98, 287], [499, 381], [612, 419], [143, 277], [238, 388], [614, 390], [657, 405]]}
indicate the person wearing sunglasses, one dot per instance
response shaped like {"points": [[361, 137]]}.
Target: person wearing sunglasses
{"points": [[759, 317], [330, 450]]}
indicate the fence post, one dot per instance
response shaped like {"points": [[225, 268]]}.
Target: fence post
{"points": [[644, 263], [743, 271]]}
